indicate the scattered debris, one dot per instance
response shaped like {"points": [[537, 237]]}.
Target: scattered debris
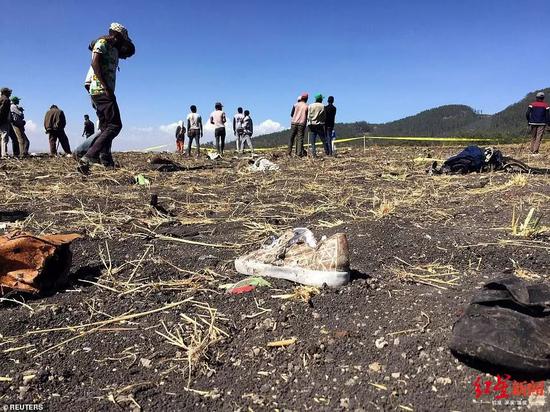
{"points": [[507, 326], [443, 381], [164, 165], [213, 155], [380, 343], [303, 293], [375, 367], [13, 215], [142, 180], [281, 343], [245, 285], [34, 264], [477, 159], [263, 165]]}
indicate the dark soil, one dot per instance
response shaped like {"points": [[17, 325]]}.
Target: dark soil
{"points": [[397, 220]]}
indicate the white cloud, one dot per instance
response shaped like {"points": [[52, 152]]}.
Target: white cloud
{"points": [[267, 126], [170, 128], [143, 129], [31, 127]]}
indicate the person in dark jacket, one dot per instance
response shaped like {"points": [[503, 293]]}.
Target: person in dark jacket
{"points": [[538, 116], [248, 131], [54, 124], [5, 105], [330, 119], [180, 138], [89, 128]]}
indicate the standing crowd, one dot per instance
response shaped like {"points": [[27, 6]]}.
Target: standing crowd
{"points": [[319, 118], [12, 125], [243, 129], [316, 118]]}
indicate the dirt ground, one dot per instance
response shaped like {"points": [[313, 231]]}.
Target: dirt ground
{"points": [[145, 324]]}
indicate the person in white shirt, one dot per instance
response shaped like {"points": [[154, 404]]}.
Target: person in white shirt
{"points": [[218, 119], [194, 130], [238, 127]]}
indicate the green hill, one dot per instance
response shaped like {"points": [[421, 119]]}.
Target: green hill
{"points": [[444, 121]]}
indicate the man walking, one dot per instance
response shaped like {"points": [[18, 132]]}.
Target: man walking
{"points": [[330, 120], [89, 128], [218, 119], [316, 117], [298, 125], [538, 116], [5, 104], [238, 128], [248, 131], [54, 124], [105, 56], [194, 130]]}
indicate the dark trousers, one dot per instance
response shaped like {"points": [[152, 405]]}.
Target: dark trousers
{"points": [[54, 136], [109, 119], [219, 133], [297, 132], [14, 141], [316, 130], [328, 140], [196, 135]]}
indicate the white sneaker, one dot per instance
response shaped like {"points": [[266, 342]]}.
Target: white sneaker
{"points": [[296, 257]]}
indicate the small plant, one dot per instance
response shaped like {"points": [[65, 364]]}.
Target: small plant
{"points": [[530, 226]]}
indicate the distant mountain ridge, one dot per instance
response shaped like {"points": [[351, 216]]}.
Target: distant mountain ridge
{"points": [[453, 120]]}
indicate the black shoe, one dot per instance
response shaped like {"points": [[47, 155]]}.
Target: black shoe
{"points": [[86, 163], [107, 161]]}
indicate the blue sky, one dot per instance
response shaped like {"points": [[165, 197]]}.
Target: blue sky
{"points": [[381, 60]]}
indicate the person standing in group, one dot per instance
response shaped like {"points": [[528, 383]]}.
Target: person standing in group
{"points": [[538, 116], [330, 120], [218, 119], [298, 125], [106, 52], [194, 130], [18, 126], [180, 138], [238, 130], [248, 131], [89, 128], [54, 124], [5, 106], [316, 118]]}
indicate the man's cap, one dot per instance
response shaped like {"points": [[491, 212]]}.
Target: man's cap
{"points": [[304, 95], [119, 28], [218, 104], [15, 99], [540, 94], [5, 90], [319, 96]]}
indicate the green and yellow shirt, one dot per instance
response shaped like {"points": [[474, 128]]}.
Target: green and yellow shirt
{"points": [[109, 64]]}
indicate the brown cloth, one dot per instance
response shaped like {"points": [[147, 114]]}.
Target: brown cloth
{"points": [[34, 264]]}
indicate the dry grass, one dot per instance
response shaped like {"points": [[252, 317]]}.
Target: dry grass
{"points": [[433, 274], [195, 337]]}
